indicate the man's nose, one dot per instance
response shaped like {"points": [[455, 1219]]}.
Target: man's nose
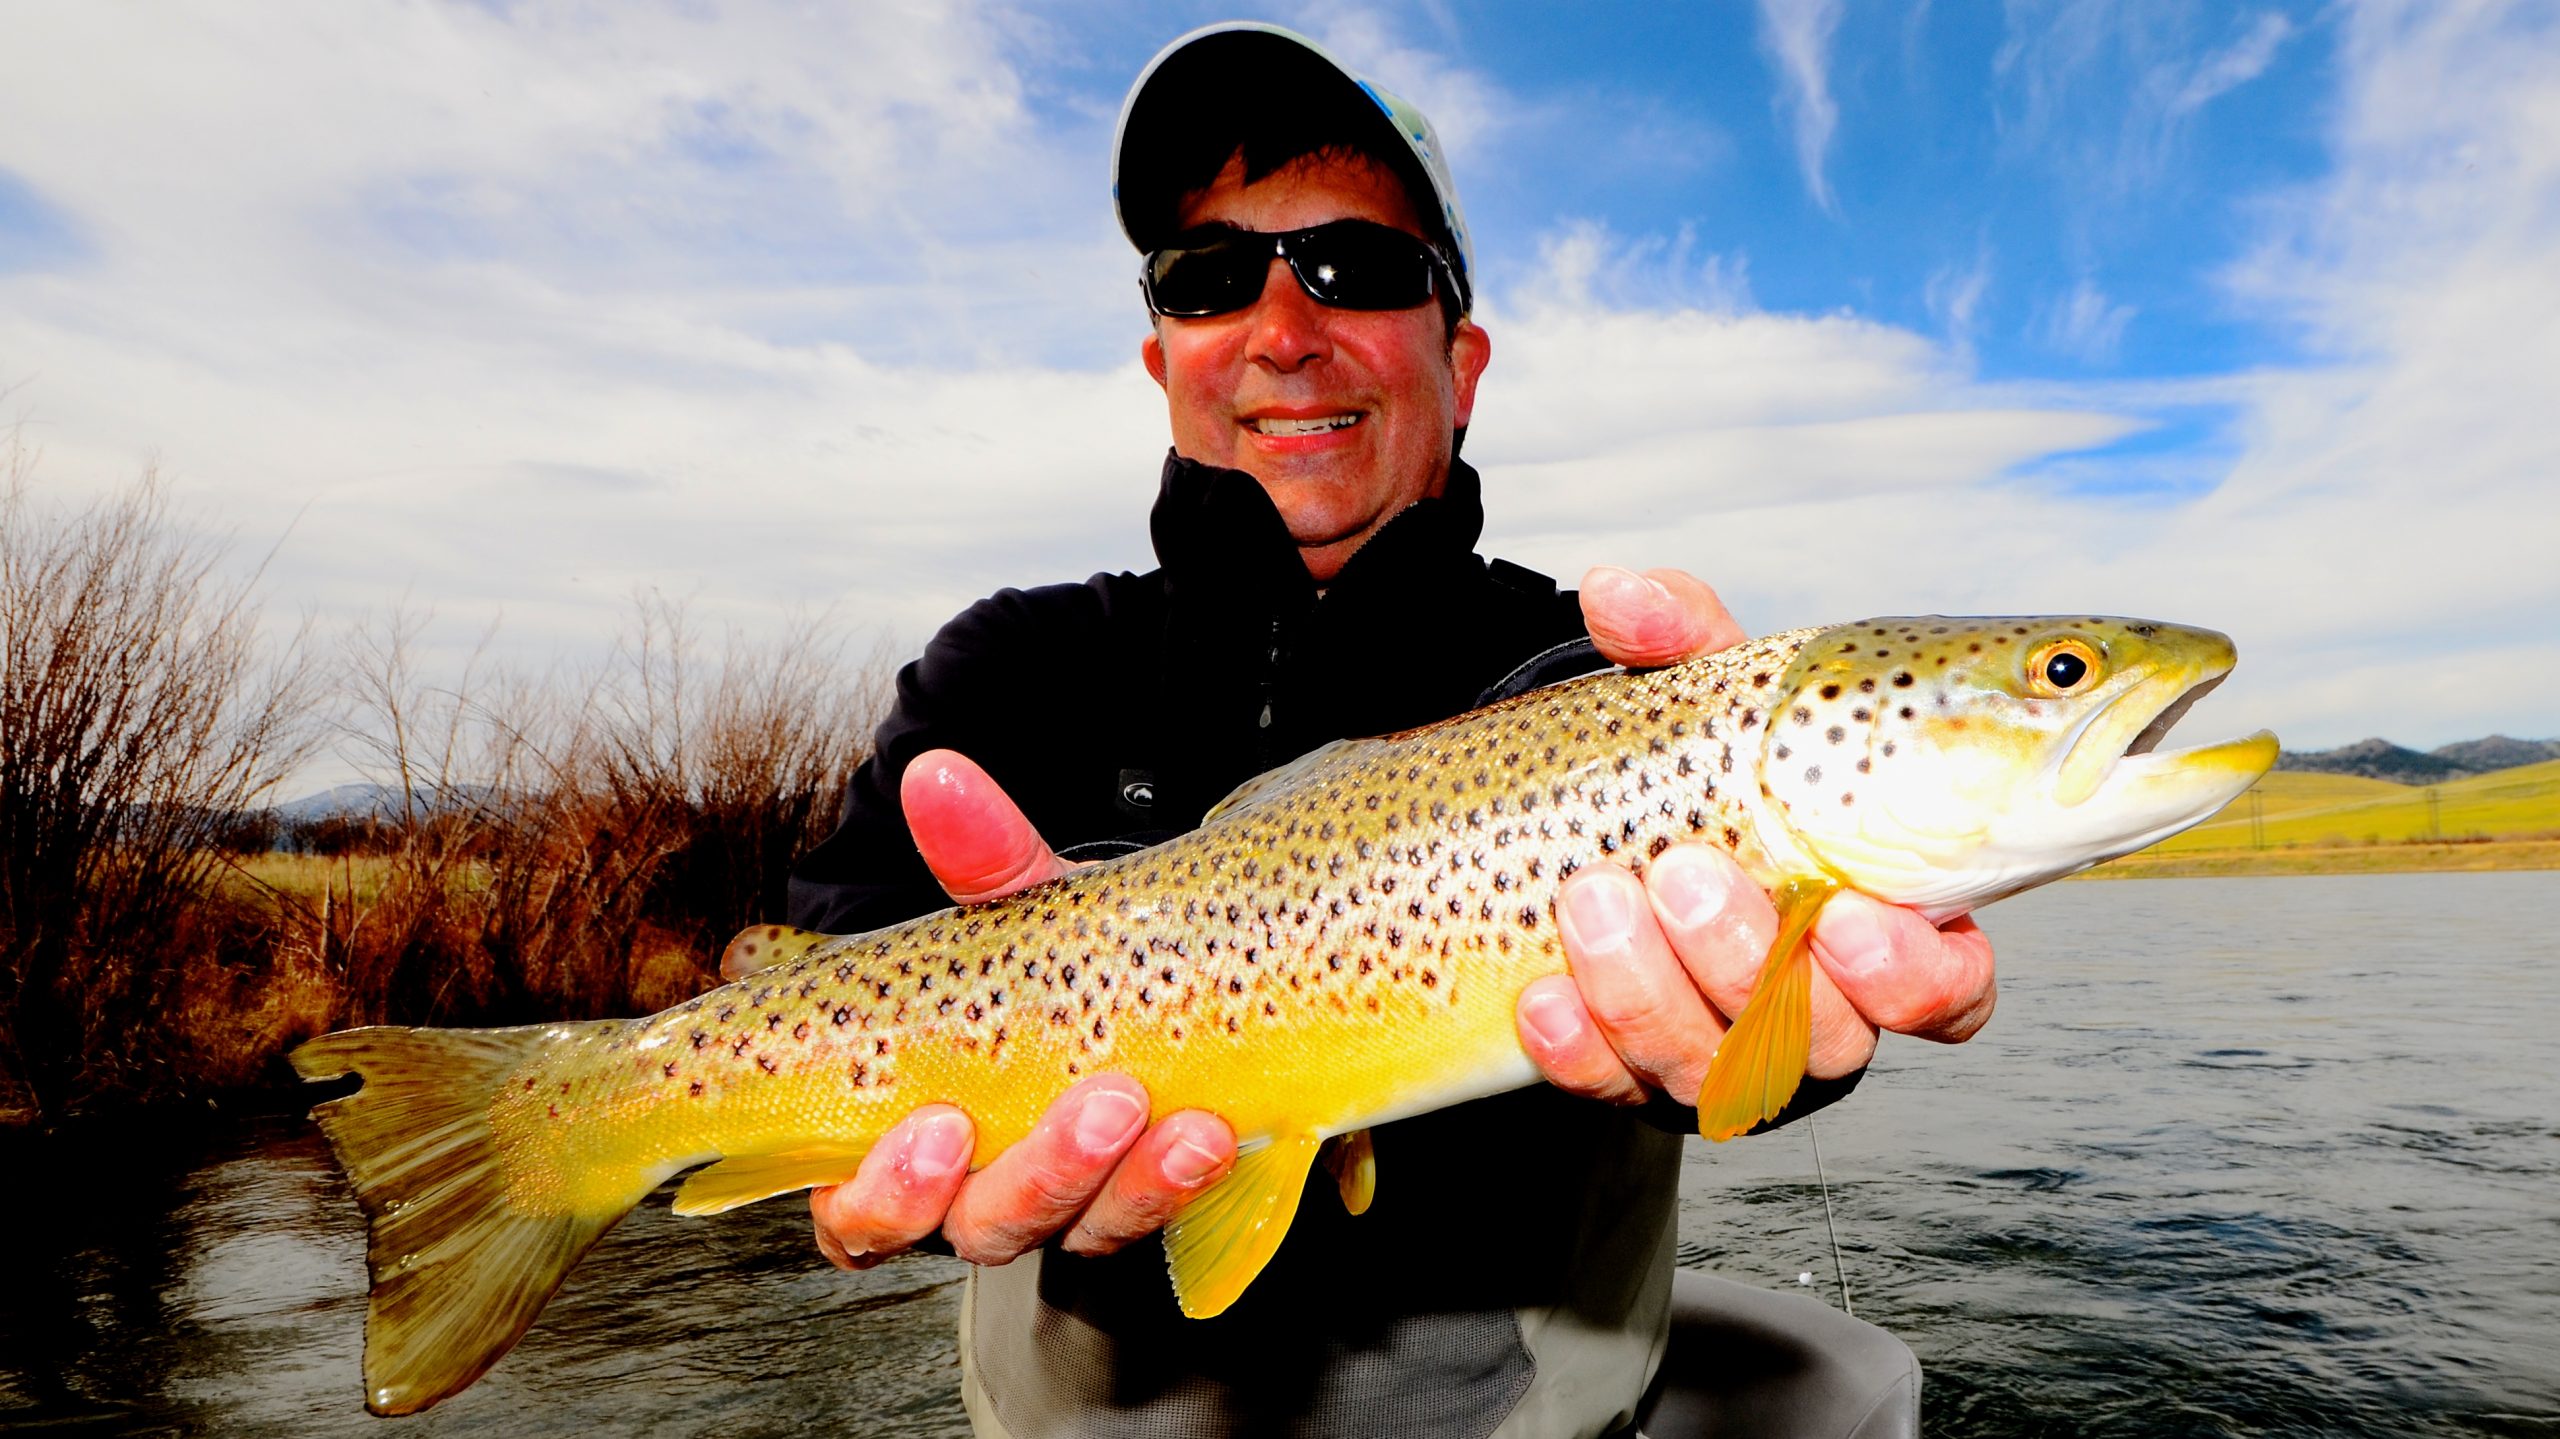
{"points": [[1290, 327]]}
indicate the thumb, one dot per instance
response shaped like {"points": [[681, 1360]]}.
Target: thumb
{"points": [[973, 837]]}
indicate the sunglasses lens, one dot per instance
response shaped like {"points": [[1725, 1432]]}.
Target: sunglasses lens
{"points": [[1348, 264], [1208, 279], [1354, 265]]}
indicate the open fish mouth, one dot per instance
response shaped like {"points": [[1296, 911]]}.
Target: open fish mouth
{"points": [[2118, 748]]}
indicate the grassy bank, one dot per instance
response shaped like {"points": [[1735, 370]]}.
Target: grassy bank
{"points": [[2296, 823], [2329, 811], [2484, 855]]}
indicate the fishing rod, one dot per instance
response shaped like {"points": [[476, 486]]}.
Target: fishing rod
{"points": [[1823, 1181]]}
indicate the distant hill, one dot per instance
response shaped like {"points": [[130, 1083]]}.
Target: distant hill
{"points": [[366, 801], [2396, 764]]}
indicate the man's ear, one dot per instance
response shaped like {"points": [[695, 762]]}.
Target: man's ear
{"points": [[1469, 348], [1151, 351]]}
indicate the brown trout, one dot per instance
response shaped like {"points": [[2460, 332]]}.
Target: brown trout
{"points": [[1339, 945]]}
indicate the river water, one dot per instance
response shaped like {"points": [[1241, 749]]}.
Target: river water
{"points": [[2238, 1156]]}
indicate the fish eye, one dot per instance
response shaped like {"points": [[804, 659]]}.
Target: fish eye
{"points": [[2061, 667]]}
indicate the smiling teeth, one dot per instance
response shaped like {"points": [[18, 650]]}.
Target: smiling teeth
{"points": [[1304, 427]]}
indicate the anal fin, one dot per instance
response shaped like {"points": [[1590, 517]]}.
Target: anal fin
{"points": [[1221, 1240], [1761, 1061], [1353, 1161], [746, 1178]]}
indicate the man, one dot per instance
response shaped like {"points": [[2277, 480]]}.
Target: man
{"points": [[1309, 275]]}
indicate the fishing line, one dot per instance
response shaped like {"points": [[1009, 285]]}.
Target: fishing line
{"points": [[1837, 1267]]}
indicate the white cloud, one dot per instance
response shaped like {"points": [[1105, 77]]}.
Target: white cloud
{"points": [[518, 315], [2379, 538], [1586, 265], [2236, 64], [2107, 92], [2085, 323], [525, 309], [1796, 36], [1954, 298]]}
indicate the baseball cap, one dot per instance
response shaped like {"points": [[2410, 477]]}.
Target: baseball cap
{"points": [[1251, 85]]}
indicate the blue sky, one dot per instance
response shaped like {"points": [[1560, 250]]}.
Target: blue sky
{"points": [[2236, 314]]}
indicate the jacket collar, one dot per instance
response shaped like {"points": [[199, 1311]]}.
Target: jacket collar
{"points": [[1217, 533]]}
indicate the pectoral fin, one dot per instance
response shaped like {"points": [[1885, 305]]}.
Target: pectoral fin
{"points": [[747, 1178], [765, 946], [1757, 1068], [1221, 1240], [1353, 1162]]}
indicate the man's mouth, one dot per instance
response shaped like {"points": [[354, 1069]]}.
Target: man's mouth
{"points": [[1281, 426]]}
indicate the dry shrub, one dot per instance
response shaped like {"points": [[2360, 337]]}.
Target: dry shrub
{"points": [[557, 846], [140, 715], [582, 845]]}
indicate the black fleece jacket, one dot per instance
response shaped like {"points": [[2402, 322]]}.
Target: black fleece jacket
{"points": [[1124, 707]]}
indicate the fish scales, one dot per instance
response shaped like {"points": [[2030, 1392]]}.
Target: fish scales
{"points": [[1341, 943], [1295, 959]]}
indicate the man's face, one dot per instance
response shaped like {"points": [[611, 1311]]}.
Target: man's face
{"points": [[1389, 385]]}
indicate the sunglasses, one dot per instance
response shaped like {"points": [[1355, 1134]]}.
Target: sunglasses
{"points": [[1346, 264]]}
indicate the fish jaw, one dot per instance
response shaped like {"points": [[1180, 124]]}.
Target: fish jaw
{"points": [[1976, 775]]}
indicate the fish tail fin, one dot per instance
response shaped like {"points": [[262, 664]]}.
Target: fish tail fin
{"points": [[1761, 1061], [459, 1268]]}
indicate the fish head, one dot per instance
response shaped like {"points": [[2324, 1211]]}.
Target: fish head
{"points": [[1944, 762]]}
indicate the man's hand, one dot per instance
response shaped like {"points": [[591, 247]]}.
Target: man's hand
{"points": [[1660, 966], [1092, 1168]]}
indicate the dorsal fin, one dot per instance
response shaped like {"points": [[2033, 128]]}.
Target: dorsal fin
{"points": [[1274, 780]]}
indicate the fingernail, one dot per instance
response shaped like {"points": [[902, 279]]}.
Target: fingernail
{"points": [[1624, 585], [1107, 1120], [1188, 1165], [1554, 1018], [1690, 885], [941, 1145], [1602, 913], [1852, 934]]}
